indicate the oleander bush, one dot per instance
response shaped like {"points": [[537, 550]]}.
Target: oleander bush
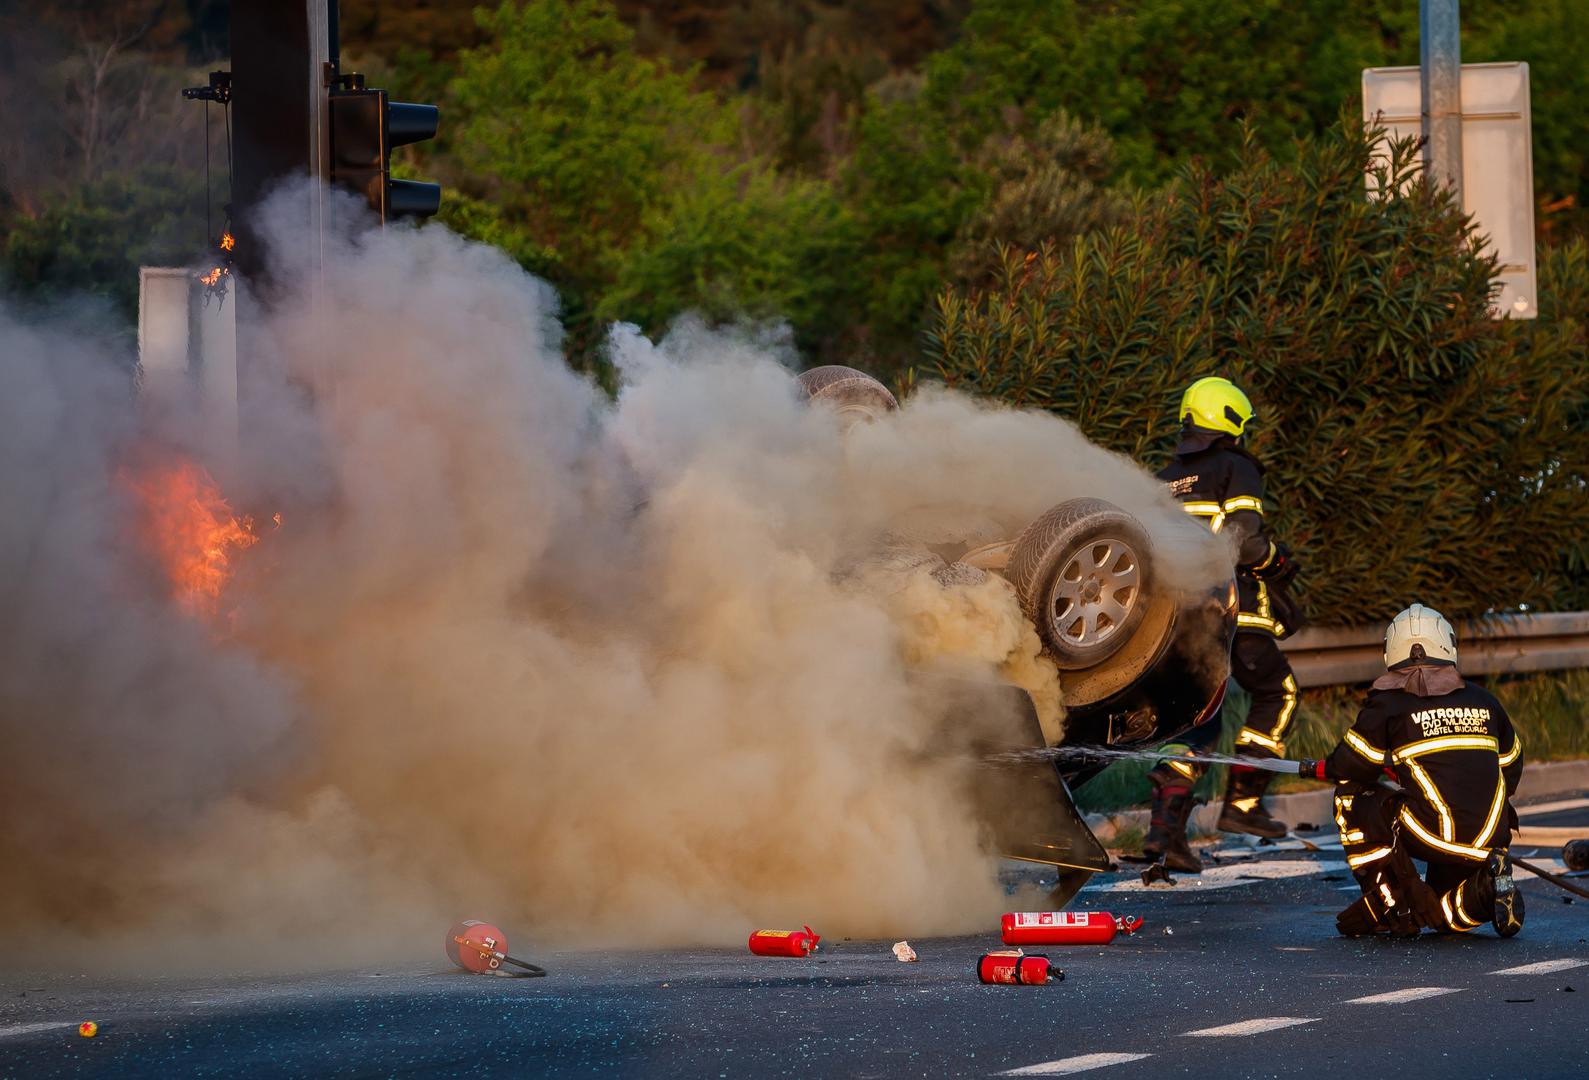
{"points": [[1418, 449]]}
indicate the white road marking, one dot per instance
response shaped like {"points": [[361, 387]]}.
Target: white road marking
{"points": [[1552, 807], [1066, 1066], [1543, 967], [1254, 1027], [1225, 877], [9, 1030], [1546, 834], [1412, 993]]}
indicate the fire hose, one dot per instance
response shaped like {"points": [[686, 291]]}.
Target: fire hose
{"points": [[1555, 879]]}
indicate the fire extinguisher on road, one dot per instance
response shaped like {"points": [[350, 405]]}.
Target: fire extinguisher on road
{"points": [[784, 942], [1015, 968], [1066, 927]]}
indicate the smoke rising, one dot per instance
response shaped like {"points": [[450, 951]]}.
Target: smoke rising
{"points": [[634, 671]]}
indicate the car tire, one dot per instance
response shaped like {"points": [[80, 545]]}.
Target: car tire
{"points": [[1084, 575], [853, 394]]}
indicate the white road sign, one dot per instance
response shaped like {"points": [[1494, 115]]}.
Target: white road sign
{"points": [[1497, 162]]}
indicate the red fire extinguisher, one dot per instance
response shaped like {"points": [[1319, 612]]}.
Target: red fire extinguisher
{"points": [[482, 948], [1014, 968], [784, 942], [1066, 927]]}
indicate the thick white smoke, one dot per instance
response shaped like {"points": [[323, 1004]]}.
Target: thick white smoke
{"points": [[599, 670]]}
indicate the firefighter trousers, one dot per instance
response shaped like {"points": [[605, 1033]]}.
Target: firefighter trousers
{"points": [[1455, 894], [1261, 669]]}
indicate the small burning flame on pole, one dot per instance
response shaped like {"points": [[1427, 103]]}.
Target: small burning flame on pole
{"points": [[215, 279], [191, 529]]}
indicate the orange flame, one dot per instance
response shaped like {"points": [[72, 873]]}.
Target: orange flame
{"points": [[191, 530], [228, 242]]}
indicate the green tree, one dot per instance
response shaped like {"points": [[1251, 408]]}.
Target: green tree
{"points": [[744, 243], [570, 135], [95, 238], [1552, 37], [1168, 79], [911, 191], [1047, 186]]}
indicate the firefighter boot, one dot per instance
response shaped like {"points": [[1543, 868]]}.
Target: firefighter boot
{"points": [[1508, 917], [1244, 810], [1166, 842], [1382, 909]]}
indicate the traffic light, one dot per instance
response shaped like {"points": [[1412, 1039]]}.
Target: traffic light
{"points": [[365, 126]]}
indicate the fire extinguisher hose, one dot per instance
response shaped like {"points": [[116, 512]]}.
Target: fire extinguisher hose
{"points": [[531, 971]]}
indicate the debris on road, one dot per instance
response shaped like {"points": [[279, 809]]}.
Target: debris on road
{"points": [[1157, 875], [1575, 854], [1012, 967], [1066, 927], [784, 942], [88, 1029], [904, 953]]}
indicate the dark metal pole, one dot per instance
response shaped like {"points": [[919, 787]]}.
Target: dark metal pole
{"points": [[1440, 69]]}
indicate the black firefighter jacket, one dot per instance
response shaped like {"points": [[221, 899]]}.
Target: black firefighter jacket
{"points": [[1456, 755], [1221, 483]]}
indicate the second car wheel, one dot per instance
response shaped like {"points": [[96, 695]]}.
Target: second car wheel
{"points": [[1084, 575]]}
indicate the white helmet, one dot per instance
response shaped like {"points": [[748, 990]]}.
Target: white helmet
{"points": [[1420, 626]]}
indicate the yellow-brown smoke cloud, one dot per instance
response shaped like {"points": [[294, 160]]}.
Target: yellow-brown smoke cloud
{"points": [[598, 670]]}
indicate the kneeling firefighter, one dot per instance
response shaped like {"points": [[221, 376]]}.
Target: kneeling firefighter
{"points": [[1456, 761], [1217, 480]]}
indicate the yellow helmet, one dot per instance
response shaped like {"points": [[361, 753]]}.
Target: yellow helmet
{"points": [[1215, 404]]}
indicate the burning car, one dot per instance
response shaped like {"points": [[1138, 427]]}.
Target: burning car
{"points": [[1139, 661]]}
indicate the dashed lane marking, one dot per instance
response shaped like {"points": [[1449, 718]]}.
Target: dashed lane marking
{"points": [[1082, 1063], [1412, 993], [10, 1030], [1542, 967], [1254, 1027]]}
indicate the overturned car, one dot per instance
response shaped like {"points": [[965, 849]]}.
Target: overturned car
{"points": [[1139, 660]]}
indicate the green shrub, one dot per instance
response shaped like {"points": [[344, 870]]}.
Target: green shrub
{"points": [[95, 238], [742, 244], [1417, 448]]}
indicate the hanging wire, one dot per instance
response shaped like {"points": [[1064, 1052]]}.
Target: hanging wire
{"points": [[209, 225], [226, 111], [219, 89]]}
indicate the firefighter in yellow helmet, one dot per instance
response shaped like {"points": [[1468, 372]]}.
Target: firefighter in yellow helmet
{"points": [[1217, 481], [1456, 760]]}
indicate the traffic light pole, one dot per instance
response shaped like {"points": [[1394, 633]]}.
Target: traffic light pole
{"points": [[1440, 70], [280, 49], [296, 117]]}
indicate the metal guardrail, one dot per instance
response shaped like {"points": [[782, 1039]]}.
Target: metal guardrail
{"points": [[1502, 644]]}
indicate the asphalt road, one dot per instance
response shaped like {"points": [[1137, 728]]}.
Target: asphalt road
{"points": [[1234, 975]]}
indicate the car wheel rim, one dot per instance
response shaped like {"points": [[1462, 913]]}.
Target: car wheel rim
{"points": [[1097, 590]]}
